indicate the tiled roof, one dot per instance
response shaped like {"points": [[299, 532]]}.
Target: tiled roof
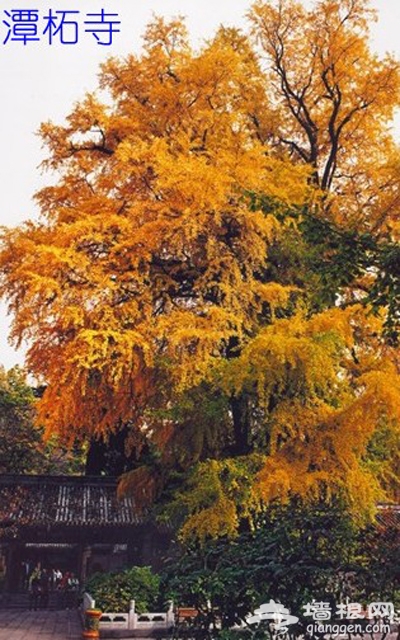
{"points": [[63, 501], [86, 501], [389, 515]]}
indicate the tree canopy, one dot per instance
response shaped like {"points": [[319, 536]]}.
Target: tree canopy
{"points": [[206, 262], [22, 446], [20, 441]]}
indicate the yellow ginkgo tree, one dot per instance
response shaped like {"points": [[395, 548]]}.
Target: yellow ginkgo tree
{"points": [[147, 252], [179, 282]]}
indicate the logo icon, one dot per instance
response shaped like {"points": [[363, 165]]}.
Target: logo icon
{"points": [[277, 614]]}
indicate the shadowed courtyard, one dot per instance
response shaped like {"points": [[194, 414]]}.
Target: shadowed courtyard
{"points": [[32, 625]]}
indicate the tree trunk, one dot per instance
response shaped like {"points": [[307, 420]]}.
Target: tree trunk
{"points": [[241, 424]]}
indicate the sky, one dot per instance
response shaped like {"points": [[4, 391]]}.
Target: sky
{"points": [[40, 82]]}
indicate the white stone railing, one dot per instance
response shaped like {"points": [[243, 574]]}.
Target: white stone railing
{"points": [[145, 621], [88, 602]]}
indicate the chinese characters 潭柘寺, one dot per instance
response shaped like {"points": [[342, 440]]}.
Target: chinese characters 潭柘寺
{"points": [[60, 26]]}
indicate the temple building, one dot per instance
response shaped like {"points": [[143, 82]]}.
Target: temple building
{"points": [[72, 523], [78, 524]]}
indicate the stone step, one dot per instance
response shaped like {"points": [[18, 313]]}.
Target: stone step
{"points": [[23, 601]]}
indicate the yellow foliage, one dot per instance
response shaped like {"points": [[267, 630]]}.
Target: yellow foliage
{"points": [[221, 495], [338, 100], [148, 252], [321, 414], [149, 273]]}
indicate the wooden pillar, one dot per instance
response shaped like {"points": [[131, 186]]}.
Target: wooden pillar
{"points": [[85, 555], [3, 563], [13, 558]]}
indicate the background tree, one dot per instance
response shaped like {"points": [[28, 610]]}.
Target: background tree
{"points": [[173, 285], [22, 448], [20, 440], [336, 101]]}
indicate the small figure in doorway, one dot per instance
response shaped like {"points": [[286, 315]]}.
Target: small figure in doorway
{"points": [[34, 589], [57, 577], [70, 590], [25, 571], [44, 589]]}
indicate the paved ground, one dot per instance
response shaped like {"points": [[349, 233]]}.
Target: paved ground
{"points": [[66, 625], [39, 625]]}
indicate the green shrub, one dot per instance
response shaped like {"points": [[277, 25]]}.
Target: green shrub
{"points": [[113, 591]]}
